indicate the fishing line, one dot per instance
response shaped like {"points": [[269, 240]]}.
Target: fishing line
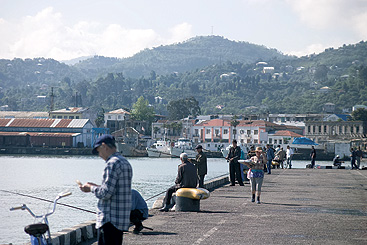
{"points": [[45, 200]]}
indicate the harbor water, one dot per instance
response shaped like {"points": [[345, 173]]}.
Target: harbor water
{"points": [[46, 176]]}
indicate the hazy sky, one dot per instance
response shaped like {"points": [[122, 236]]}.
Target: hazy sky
{"points": [[66, 29]]}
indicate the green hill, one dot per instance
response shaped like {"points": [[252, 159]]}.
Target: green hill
{"points": [[186, 56], [224, 76]]}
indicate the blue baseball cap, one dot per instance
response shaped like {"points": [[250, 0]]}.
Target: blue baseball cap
{"points": [[106, 138]]}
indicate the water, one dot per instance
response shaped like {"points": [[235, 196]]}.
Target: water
{"points": [[45, 177]]}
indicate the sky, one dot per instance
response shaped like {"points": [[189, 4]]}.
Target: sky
{"points": [[68, 29]]}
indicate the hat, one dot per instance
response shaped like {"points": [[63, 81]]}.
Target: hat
{"points": [[106, 138], [199, 147], [259, 149], [337, 156]]}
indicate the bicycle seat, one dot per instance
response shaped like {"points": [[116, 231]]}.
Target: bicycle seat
{"points": [[36, 229]]}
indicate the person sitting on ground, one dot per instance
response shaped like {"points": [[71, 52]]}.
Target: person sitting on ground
{"points": [[337, 162], [186, 178], [139, 211]]}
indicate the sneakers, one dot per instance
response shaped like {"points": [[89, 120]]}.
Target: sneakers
{"points": [[164, 209], [258, 202], [137, 229], [253, 200]]}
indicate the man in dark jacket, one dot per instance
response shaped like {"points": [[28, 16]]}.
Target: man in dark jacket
{"points": [[270, 156], [233, 156], [313, 157], [201, 163], [186, 178]]}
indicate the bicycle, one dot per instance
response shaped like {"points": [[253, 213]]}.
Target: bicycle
{"points": [[37, 231]]}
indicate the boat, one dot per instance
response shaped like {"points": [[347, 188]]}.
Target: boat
{"points": [[183, 145], [129, 143], [159, 149], [129, 150]]}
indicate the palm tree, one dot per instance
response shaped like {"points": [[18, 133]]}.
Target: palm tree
{"points": [[234, 123]]}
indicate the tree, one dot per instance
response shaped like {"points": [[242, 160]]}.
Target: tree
{"points": [[100, 118], [234, 123], [142, 111], [321, 73], [359, 115], [182, 108]]}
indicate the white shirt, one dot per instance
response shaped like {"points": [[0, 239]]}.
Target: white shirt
{"points": [[289, 152]]}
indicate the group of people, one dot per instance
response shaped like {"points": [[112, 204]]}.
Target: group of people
{"points": [[355, 158], [258, 161], [119, 205]]}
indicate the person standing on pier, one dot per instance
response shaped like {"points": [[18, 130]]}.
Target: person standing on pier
{"points": [[359, 155], [256, 164], [186, 178], [233, 156], [201, 163], [114, 194], [269, 156], [313, 157], [289, 154]]}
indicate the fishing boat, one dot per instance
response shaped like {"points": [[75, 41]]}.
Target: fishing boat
{"points": [[183, 145], [129, 143], [159, 149]]}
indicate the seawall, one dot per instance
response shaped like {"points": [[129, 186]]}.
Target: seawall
{"points": [[84, 232]]}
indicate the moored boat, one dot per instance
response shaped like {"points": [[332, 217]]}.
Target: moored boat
{"points": [[183, 146], [159, 149]]}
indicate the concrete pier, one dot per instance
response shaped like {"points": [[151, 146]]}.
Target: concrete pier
{"points": [[298, 206]]}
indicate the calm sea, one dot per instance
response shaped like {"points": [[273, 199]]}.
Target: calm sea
{"points": [[46, 176]]}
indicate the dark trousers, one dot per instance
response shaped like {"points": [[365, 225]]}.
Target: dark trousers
{"points": [[169, 192], [313, 162], [353, 163], [235, 173], [201, 180], [268, 165], [136, 217], [109, 235]]}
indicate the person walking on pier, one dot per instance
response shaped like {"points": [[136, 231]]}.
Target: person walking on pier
{"points": [[256, 164], [201, 163], [114, 194], [289, 154], [353, 157], [233, 156], [186, 178]]}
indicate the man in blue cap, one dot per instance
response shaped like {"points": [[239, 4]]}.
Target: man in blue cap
{"points": [[114, 194]]}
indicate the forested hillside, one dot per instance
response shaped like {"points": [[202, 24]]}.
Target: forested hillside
{"points": [[294, 85], [186, 56]]}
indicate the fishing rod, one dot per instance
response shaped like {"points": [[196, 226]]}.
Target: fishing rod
{"points": [[165, 191], [45, 200]]}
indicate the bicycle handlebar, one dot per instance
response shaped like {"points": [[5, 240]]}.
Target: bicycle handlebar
{"points": [[24, 207], [19, 207], [65, 194]]}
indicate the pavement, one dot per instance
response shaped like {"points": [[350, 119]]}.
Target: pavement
{"points": [[298, 206]]}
